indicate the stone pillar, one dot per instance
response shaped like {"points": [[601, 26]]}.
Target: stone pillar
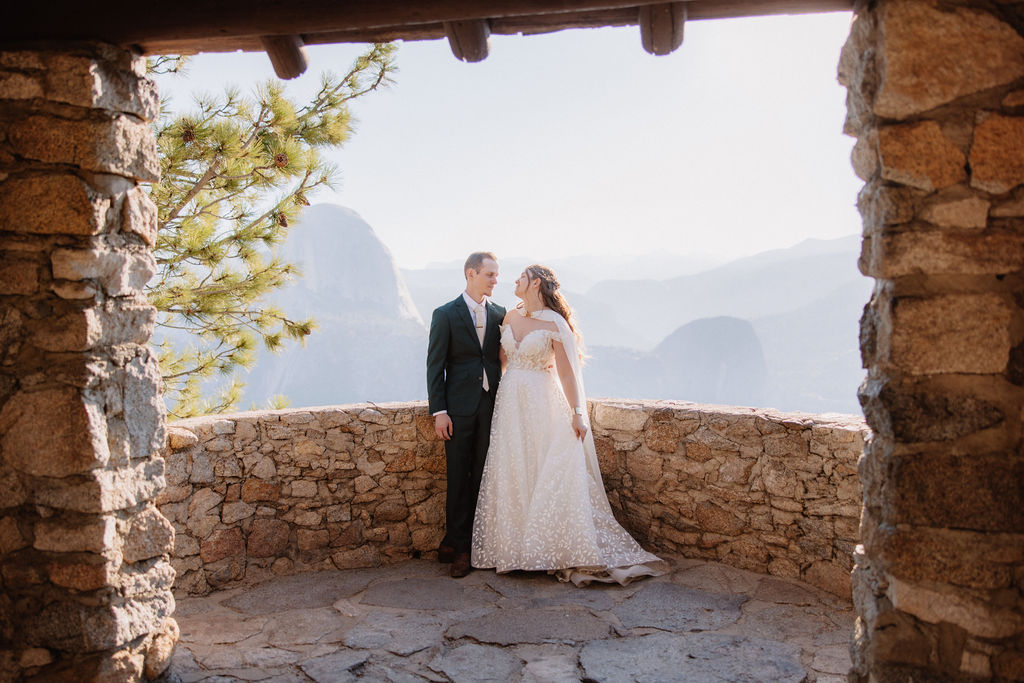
{"points": [[84, 553], [936, 101]]}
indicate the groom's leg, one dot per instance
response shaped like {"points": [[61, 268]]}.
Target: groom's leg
{"points": [[481, 442], [460, 504]]}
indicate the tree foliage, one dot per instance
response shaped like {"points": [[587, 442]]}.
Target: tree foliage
{"points": [[235, 173]]}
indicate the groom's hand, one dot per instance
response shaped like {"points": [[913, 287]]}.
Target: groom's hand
{"points": [[443, 426]]}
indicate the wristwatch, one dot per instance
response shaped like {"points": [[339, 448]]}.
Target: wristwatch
{"points": [[579, 411]]}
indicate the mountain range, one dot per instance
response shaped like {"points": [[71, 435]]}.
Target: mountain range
{"points": [[775, 329], [370, 340]]}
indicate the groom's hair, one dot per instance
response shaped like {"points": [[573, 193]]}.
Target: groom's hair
{"points": [[476, 260]]}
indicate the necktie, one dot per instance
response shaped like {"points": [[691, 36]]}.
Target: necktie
{"points": [[481, 323]]}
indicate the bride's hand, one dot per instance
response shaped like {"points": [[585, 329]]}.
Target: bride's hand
{"points": [[578, 426]]}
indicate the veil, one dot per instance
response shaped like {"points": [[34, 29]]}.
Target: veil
{"points": [[572, 351]]}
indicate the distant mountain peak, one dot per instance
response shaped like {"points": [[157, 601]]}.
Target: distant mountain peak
{"points": [[344, 266]]}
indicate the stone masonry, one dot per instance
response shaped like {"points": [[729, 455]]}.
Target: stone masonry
{"points": [[84, 553], [936, 102], [409, 622], [258, 494]]}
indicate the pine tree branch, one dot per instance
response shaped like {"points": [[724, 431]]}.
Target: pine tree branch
{"points": [[211, 172], [216, 175]]}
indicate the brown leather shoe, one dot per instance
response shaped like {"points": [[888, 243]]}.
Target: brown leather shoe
{"points": [[445, 554], [460, 566]]}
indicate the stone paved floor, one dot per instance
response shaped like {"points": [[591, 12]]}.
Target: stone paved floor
{"points": [[410, 622]]}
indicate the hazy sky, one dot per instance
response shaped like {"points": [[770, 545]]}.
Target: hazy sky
{"points": [[580, 142]]}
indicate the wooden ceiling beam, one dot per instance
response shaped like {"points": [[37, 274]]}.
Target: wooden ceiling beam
{"points": [[221, 25], [661, 27], [468, 39], [286, 55], [548, 22], [120, 21]]}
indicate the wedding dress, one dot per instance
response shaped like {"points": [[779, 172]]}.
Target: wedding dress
{"points": [[542, 503]]}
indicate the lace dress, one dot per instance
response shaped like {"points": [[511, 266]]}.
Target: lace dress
{"points": [[542, 504]]}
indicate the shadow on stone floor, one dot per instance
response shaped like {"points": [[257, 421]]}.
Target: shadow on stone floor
{"points": [[409, 622]]}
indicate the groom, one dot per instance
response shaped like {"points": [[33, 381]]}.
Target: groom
{"points": [[463, 372]]}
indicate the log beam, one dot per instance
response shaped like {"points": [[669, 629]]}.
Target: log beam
{"points": [[286, 54], [224, 25], [468, 39], [661, 27]]}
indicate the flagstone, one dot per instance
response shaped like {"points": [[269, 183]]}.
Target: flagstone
{"points": [[834, 659], [770, 620], [302, 591], [477, 663], [777, 590], [718, 578], [409, 623], [678, 608], [210, 630], [691, 657], [305, 626], [511, 626], [336, 667], [427, 594], [401, 634]]}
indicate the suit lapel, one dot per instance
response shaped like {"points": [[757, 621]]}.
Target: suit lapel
{"points": [[493, 319], [462, 313]]}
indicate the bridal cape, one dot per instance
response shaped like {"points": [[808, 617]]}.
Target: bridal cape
{"points": [[542, 504]]}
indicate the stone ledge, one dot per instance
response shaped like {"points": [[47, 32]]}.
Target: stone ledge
{"points": [[264, 493]]}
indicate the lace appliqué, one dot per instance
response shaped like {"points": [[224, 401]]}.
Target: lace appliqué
{"points": [[541, 507], [533, 352]]}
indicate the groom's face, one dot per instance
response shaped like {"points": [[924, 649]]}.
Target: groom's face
{"points": [[483, 281]]}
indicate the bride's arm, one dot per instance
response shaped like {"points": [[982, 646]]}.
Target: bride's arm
{"points": [[568, 380], [502, 356]]}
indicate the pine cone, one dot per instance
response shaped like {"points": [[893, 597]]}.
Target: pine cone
{"points": [[280, 160]]}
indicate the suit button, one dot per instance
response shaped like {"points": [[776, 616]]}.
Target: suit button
{"points": [[480, 378]]}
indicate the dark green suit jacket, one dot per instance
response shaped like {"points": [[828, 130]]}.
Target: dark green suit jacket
{"points": [[455, 360]]}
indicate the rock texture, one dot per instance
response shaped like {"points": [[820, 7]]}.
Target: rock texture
{"points": [[934, 101], [370, 340], [765, 491], [277, 492], [84, 551], [524, 626]]}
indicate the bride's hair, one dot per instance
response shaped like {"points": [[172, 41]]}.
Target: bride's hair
{"points": [[550, 294]]}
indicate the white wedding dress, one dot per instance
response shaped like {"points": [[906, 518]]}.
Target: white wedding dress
{"points": [[542, 503]]}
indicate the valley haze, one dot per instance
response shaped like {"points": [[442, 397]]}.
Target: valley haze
{"points": [[778, 329]]}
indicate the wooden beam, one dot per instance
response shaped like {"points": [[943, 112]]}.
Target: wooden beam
{"points": [[286, 54], [661, 27], [468, 39], [204, 26], [120, 21], [549, 23], [732, 9]]}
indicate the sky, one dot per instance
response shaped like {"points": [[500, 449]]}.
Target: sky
{"points": [[579, 142]]}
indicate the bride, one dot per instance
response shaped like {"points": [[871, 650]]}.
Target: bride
{"points": [[542, 504]]}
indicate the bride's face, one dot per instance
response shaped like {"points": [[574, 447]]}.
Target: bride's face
{"points": [[522, 285]]}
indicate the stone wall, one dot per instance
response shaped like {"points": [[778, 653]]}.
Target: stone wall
{"points": [[255, 494], [936, 101], [761, 490], [85, 571]]}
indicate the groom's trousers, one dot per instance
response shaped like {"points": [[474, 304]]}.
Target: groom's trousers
{"points": [[465, 454]]}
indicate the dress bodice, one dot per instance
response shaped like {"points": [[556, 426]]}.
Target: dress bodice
{"points": [[534, 352]]}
